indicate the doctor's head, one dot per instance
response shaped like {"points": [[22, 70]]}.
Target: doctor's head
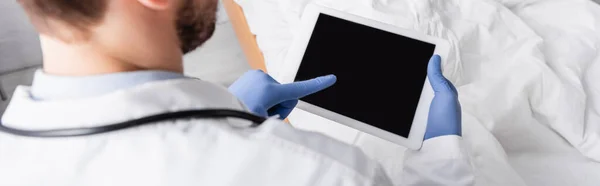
{"points": [[144, 34]]}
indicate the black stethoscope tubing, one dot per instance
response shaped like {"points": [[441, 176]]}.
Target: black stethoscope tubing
{"points": [[153, 119]]}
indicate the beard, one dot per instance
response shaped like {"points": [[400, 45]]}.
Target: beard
{"points": [[196, 23]]}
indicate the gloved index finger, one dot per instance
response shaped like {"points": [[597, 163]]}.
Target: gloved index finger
{"points": [[300, 89]]}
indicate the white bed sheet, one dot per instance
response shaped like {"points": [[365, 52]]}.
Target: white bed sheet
{"points": [[526, 71]]}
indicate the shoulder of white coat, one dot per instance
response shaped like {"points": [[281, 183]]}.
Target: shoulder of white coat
{"points": [[210, 94], [121, 105], [351, 157]]}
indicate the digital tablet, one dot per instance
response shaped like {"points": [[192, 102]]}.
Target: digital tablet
{"points": [[382, 87]]}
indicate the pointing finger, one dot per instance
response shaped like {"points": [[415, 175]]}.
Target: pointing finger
{"points": [[300, 89]]}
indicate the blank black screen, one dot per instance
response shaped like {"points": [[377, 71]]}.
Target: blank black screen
{"points": [[380, 74]]}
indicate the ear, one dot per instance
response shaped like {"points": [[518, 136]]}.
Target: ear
{"points": [[156, 4]]}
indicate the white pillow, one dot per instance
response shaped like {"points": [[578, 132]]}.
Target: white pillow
{"points": [[19, 42]]}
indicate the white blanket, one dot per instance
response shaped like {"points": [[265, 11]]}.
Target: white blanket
{"points": [[526, 71]]}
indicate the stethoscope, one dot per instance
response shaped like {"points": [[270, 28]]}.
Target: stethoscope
{"points": [[148, 120]]}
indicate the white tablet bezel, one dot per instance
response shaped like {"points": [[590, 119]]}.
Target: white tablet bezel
{"points": [[286, 73]]}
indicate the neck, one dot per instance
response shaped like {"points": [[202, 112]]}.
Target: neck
{"points": [[84, 59]]}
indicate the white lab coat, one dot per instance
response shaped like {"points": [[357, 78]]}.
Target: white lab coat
{"points": [[194, 152]]}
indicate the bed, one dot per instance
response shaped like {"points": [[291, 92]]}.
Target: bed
{"points": [[247, 39], [526, 72]]}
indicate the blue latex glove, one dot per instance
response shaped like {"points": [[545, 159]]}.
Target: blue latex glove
{"points": [[264, 96], [444, 112]]}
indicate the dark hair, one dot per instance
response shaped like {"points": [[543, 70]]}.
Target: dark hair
{"points": [[79, 14]]}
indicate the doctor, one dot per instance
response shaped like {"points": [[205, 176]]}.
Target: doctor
{"points": [[109, 61]]}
